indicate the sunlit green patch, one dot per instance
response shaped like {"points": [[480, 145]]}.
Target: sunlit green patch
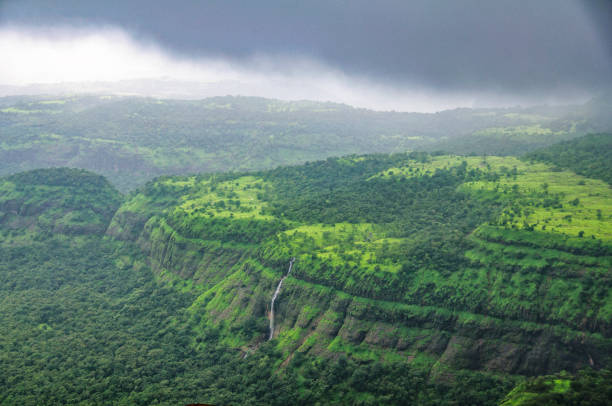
{"points": [[52, 102], [413, 168], [561, 385], [289, 336], [536, 390], [214, 106], [17, 110], [325, 235], [50, 137], [237, 198], [542, 198], [361, 246], [522, 130], [527, 116]]}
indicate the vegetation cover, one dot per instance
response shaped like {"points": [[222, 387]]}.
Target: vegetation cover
{"points": [[590, 156], [131, 140], [586, 388], [419, 279]]}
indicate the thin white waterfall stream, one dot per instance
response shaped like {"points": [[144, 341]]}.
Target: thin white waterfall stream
{"points": [[278, 288]]}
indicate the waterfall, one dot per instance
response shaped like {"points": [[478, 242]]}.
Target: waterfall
{"points": [[278, 288]]}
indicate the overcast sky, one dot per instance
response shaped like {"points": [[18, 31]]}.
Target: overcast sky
{"points": [[406, 55]]}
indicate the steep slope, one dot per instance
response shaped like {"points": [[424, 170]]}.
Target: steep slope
{"points": [[417, 278], [85, 321], [446, 264]]}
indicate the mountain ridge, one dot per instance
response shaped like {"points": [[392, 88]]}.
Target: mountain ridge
{"points": [[464, 273], [132, 140]]}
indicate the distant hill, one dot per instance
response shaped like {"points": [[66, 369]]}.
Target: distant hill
{"points": [[589, 156], [59, 200], [132, 139]]}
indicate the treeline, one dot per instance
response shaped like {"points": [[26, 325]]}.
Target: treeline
{"points": [[345, 190], [587, 388], [590, 156], [132, 139]]}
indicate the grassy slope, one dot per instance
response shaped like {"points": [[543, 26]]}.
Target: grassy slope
{"points": [[545, 196]]}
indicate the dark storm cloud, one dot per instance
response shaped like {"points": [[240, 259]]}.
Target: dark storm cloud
{"points": [[511, 45]]}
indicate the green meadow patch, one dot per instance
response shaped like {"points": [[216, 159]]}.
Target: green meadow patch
{"points": [[540, 197]]}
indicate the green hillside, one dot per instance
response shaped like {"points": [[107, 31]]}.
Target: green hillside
{"points": [[465, 240], [131, 140], [66, 201], [449, 264], [586, 388], [418, 279], [589, 156]]}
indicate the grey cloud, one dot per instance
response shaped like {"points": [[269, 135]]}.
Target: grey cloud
{"points": [[515, 46]]}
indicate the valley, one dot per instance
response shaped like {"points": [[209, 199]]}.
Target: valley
{"points": [[297, 203], [463, 273], [131, 140]]}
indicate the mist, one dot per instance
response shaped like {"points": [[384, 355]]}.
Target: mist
{"points": [[112, 60]]}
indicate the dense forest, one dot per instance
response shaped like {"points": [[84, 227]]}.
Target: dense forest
{"points": [[419, 278], [590, 156], [131, 140], [86, 321], [585, 388]]}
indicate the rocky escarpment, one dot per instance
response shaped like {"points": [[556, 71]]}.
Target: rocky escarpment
{"points": [[236, 281]]}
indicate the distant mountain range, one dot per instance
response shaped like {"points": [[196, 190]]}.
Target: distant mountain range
{"points": [[133, 139]]}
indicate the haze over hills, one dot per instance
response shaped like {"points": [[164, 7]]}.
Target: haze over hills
{"points": [[131, 140], [155, 88], [306, 203]]}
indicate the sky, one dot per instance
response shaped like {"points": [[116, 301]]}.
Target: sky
{"points": [[420, 55]]}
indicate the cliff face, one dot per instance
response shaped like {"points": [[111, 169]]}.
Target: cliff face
{"points": [[459, 272], [510, 300], [317, 319]]}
